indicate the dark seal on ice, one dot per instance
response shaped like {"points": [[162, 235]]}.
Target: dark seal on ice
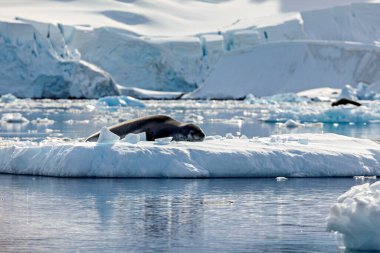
{"points": [[156, 126], [345, 101]]}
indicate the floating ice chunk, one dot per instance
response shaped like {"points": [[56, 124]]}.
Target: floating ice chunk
{"points": [[120, 101], [230, 136], [292, 124], [142, 136], [7, 98], [365, 177], [244, 137], [163, 141], [131, 138], [107, 137], [363, 93], [348, 92], [13, 118], [279, 179], [356, 216], [43, 121]]}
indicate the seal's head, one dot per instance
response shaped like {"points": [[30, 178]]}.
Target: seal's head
{"points": [[190, 132]]}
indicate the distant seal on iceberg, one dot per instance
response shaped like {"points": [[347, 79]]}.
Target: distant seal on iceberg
{"points": [[345, 101], [156, 126]]}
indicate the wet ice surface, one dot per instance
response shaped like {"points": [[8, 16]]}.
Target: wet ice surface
{"points": [[76, 119], [158, 215]]}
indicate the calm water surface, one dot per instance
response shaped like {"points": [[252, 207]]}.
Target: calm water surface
{"points": [[162, 215]]}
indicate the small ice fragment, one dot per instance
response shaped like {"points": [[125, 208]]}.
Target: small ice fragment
{"points": [[142, 136], [213, 137], [7, 98], [48, 130], [120, 101], [107, 137], [274, 138], [244, 137], [255, 139], [229, 136], [303, 141], [365, 177], [335, 124], [131, 138], [163, 141], [292, 124], [279, 179]]}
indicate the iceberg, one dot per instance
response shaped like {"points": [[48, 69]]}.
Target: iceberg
{"points": [[356, 216], [296, 155]]}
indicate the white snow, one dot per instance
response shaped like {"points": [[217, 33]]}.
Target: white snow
{"points": [[290, 66], [302, 155], [356, 216]]}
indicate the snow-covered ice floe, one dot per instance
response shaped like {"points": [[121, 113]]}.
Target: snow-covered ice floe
{"points": [[302, 155], [356, 216]]}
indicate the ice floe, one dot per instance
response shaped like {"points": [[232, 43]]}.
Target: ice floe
{"points": [[301, 155], [356, 216], [13, 118], [323, 112]]}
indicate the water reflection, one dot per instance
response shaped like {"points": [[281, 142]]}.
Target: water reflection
{"points": [[155, 215]]}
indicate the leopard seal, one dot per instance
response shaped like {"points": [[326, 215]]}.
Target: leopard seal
{"points": [[156, 126], [345, 101]]}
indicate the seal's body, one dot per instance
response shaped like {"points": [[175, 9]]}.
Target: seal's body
{"points": [[157, 126], [345, 101]]}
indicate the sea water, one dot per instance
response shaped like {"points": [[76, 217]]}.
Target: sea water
{"points": [[165, 215], [42, 214]]}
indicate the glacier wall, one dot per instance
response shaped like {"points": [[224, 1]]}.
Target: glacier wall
{"points": [[35, 62], [330, 47]]}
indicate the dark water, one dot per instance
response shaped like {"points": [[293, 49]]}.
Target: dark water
{"points": [[157, 215]]}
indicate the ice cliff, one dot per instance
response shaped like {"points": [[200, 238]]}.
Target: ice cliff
{"points": [[35, 62], [263, 56]]}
